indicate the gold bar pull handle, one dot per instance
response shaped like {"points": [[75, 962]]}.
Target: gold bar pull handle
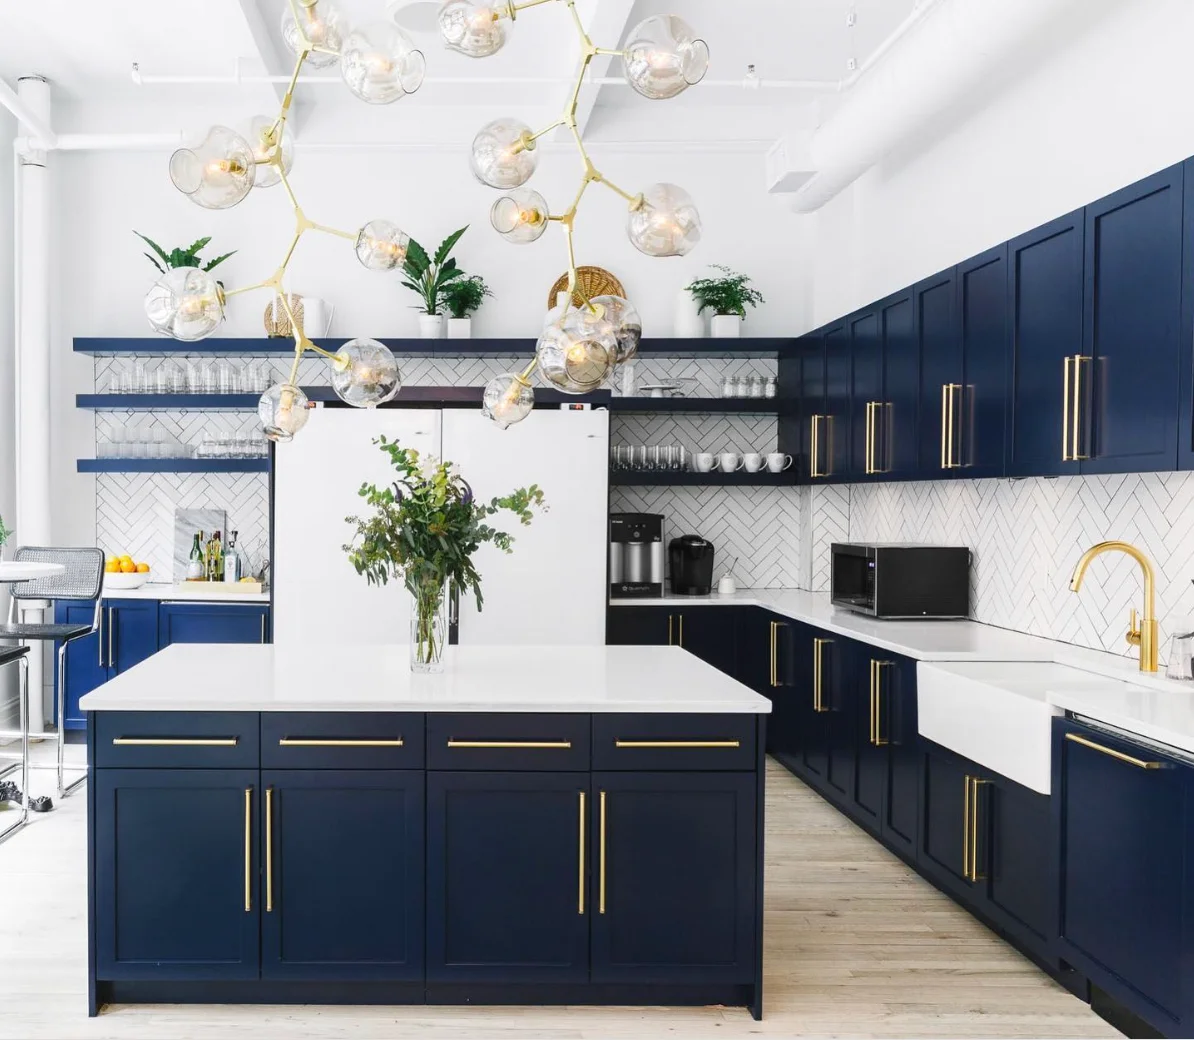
{"points": [[866, 450], [1119, 756], [175, 741], [601, 855], [975, 802], [944, 426], [814, 468], [774, 676], [877, 698], [539, 744], [1066, 454], [670, 641], [818, 674], [248, 849], [580, 883], [677, 743], [1077, 455], [336, 742], [966, 828], [680, 640], [269, 850]]}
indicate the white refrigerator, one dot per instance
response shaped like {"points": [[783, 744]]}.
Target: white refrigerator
{"points": [[551, 590]]}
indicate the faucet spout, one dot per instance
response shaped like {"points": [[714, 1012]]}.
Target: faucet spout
{"points": [[1143, 635]]}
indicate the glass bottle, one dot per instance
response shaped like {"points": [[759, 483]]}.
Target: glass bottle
{"points": [[769, 390], [196, 567], [215, 558], [234, 567], [727, 386]]}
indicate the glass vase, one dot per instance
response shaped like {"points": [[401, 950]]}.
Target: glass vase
{"points": [[429, 627]]}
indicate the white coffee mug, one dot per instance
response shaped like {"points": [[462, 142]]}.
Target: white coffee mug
{"points": [[729, 461], [702, 461], [752, 462], [777, 461]]}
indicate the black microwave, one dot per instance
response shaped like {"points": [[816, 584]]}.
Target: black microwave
{"points": [[901, 580]]}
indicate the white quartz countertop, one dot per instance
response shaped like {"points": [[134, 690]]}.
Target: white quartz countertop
{"points": [[229, 677], [920, 640], [199, 592]]}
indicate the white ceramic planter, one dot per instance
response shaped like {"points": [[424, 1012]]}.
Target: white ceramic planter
{"points": [[725, 326], [432, 326], [460, 328], [689, 322]]}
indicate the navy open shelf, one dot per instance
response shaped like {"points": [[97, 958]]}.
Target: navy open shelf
{"points": [[742, 405], [632, 478], [172, 465], [162, 402]]}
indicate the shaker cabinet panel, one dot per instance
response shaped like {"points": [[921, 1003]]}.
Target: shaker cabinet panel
{"points": [[834, 441], [896, 424], [866, 394], [131, 632], [213, 623], [939, 342], [979, 403]]}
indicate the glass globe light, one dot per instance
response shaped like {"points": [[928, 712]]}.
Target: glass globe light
{"points": [[508, 399], [217, 173], [365, 373], [380, 64], [264, 144], [185, 303], [664, 57], [322, 23], [520, 215], [381, 246], [665, 222], [282, 411], [503, 154], [577, 353], [472, 28], [628, 326]]}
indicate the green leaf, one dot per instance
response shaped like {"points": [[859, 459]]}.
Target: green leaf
{"points": [[445, 247], [154, 246], [154, 262], [218, 260], [198, 244], [417, 259]]}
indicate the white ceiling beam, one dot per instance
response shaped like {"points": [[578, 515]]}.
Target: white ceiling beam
{"points": [[605, 21], [274, 57]]}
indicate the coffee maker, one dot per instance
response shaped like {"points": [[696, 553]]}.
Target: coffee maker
{"points": [[690, 563], [635, 555]]}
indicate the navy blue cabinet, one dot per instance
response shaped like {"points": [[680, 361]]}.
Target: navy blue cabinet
{"points": [[673, 893], [507, 867], [130, 631], [707, 632], [176, 873], [342, 862], [897, 423], [833, 433], [975, 410], [866, 395], [1122, 814], [213, 623], [638, 626], [940, 347], [812, 421], [823, 751]]}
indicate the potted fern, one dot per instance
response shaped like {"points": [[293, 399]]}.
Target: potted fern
{"points": [[179, 257], [728, 298], [428, 276], [461, 298]]}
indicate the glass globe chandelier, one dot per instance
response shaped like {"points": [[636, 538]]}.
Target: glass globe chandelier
{"points": [[379, 64], [581, 347]]}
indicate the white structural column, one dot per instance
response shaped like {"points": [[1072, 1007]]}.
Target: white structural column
{"points": [[31, 266]]}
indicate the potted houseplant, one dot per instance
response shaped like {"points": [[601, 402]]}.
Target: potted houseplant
{"points": [[727, 297], [461, 297], [179, 257], [427, 276], [5, 534], [423, 530]]}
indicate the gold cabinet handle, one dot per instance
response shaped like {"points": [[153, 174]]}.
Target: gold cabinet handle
{"points": [[1077, 454], [966, 829], [263, 626], [866, 448], [509, 743], [670, 641], [580, 881], [818, 674], [601, 856], [680, 640], [975, 784], [774, 664], [111, 625], [953, 465], [677, 743], [814, 454], [321, 742], [944, 434], [175, 741], [1066, 455], [1139, 763], [269, 850], [248, 849], [877, 737]]}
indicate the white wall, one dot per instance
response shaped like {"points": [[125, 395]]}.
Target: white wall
{"points": [[7, 356], [1101, 111]]}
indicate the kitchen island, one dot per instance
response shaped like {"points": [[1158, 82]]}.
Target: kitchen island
{"points": [[563, 825]]}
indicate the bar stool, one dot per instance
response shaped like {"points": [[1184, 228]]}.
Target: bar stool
{"points": [[82, 579], [18, 655]]}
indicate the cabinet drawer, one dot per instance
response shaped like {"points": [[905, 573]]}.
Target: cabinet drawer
{"points": [[507, 741], [341, 740], [176, 739], [691, 742]]}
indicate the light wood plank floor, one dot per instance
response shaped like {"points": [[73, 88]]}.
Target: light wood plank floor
{"points": [[856, 945]]}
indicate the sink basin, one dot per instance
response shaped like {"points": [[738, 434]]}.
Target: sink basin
{"points": [[998, 713]]}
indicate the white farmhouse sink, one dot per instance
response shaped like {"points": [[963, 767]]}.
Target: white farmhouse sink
{"points": [[998, 713]]}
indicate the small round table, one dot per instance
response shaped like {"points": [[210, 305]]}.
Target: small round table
{"points": [[11, 571]]}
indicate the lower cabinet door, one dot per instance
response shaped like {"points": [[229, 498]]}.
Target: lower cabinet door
{"points": [[86, 660], [838, 658], [213, 623], [639, 626], [130, 632], [870, 740], [507, 864], [176, 873], [673, 862], [1020, 867], [708, 633], [342, 863], [945, 826], [897, 721]]}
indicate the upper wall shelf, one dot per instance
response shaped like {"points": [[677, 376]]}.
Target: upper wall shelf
{"points": [[650, 405], [443, 348]]}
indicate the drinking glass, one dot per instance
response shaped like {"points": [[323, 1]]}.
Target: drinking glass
{"points": [[264, 377], [178, 379], [194, 377], [224, 377], [769, 388], [122, 377], [727, 386], [638, 458], [680, 458], [208, 378], [755, 386], [140, 378]]}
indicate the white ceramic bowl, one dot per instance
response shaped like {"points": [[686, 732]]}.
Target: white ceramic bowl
{"points": [[125, 582]]}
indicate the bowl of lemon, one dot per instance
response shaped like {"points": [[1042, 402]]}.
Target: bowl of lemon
{"points": [[123, 573]]}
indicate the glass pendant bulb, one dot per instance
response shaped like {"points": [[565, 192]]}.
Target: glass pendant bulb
{"points": [[263, 138], [520, 215], [628, 326], [472, 28], [508, 399], [185, 303], [282, 411], [664, 221], [577, 353], [365, 373], [322, 23], [380, 64], [664, 57], [381, 246], [218, 172], [503, 154]]}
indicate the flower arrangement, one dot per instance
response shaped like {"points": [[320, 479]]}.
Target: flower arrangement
{"points": [[424, 529]]}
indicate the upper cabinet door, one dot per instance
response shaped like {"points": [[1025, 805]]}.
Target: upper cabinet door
{"points": [[1046, 375], [810, 466], [866, 396], [977, 408], [895, 423], [833, 447], [1132, 343], [939, 343]]}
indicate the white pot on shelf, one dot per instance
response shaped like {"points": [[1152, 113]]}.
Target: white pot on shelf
{"points": [[725, 326], [432, 326], [460, 328], [689, 322]]}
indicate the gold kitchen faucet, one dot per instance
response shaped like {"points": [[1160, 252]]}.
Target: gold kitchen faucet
{"points": [[1144, 633]]}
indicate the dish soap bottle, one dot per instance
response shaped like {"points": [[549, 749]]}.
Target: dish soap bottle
{"points": [[195, 565]]}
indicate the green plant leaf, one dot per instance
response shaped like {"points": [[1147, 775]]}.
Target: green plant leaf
{"points": [[154, 262], [154, 246], [218, 260], [445, 247], [417, 261], [198, 244]]}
